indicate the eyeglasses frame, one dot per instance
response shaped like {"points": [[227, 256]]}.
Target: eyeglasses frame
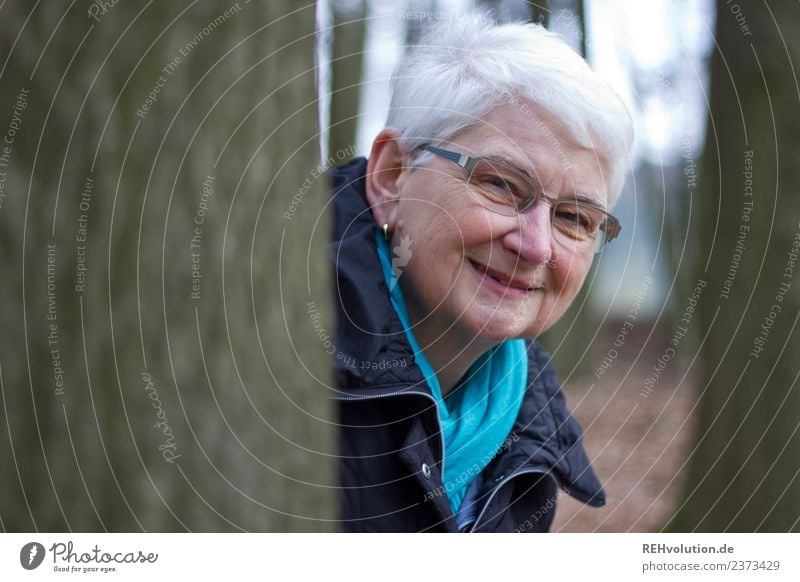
{"points": [[468, 163]]}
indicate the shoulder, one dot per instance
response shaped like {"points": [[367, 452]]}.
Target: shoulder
{"points": [[348, 193], [544, 406], [348, 175], [541, 372], [547, 423], [543, 383]]}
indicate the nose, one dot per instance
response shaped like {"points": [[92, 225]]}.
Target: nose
{"points": [[532, 239]]}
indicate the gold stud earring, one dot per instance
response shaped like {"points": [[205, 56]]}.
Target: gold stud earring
{"points": [[385, 229]]}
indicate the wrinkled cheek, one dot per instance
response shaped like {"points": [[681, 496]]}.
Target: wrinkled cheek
{"points": [[569, 275], [423, 285]]}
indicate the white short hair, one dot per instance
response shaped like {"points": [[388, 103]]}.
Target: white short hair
{"points": [[464, 67]]}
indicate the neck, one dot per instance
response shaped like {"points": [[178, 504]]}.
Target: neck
{"points": [[449, 351]]}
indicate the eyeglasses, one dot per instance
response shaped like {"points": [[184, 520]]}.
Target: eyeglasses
{"points": [[509, 191]]}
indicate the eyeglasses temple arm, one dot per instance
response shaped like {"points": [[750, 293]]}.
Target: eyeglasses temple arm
{"points": [[460, 159]]}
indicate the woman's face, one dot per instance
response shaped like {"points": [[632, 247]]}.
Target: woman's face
{"points": [[476, 272]]}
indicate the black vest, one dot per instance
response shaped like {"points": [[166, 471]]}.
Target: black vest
{"points": [[390, 442]]}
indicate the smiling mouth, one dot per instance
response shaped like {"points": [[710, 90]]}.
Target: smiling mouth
{"points": [[501, 278]]}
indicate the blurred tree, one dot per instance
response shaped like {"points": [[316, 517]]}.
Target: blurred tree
{"points": [[158, 368], [419, 15], [743, 472], [512, 10], [580, 13], [539, 12], [347, 64]]}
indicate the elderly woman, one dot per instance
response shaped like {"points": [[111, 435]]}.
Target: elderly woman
{"points": [[466, 234]]}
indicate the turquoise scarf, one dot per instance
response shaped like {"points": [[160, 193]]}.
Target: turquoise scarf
{"points": [[478, 415]]}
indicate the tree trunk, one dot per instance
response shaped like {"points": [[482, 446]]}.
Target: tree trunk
{"points": [[743, 473], [540, 12], [346, 72], [159, 369]]}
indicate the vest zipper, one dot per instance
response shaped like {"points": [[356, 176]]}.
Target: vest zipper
{"points": [[404, 393]]}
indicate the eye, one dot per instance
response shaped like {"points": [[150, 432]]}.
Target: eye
{"points": [[572, 216], [491, 180], [502, 185], [576, 218]]}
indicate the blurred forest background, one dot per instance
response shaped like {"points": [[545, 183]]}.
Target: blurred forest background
{"points": [[163, 226]]}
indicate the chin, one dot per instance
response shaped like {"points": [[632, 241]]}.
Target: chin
{"points": [[497, 326]]}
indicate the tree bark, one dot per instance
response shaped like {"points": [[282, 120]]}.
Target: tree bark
{"points": [[743, 473], [347, 64], [160, 229]]}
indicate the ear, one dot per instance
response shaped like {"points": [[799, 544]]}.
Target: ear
{"points": [[385, 170]]}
